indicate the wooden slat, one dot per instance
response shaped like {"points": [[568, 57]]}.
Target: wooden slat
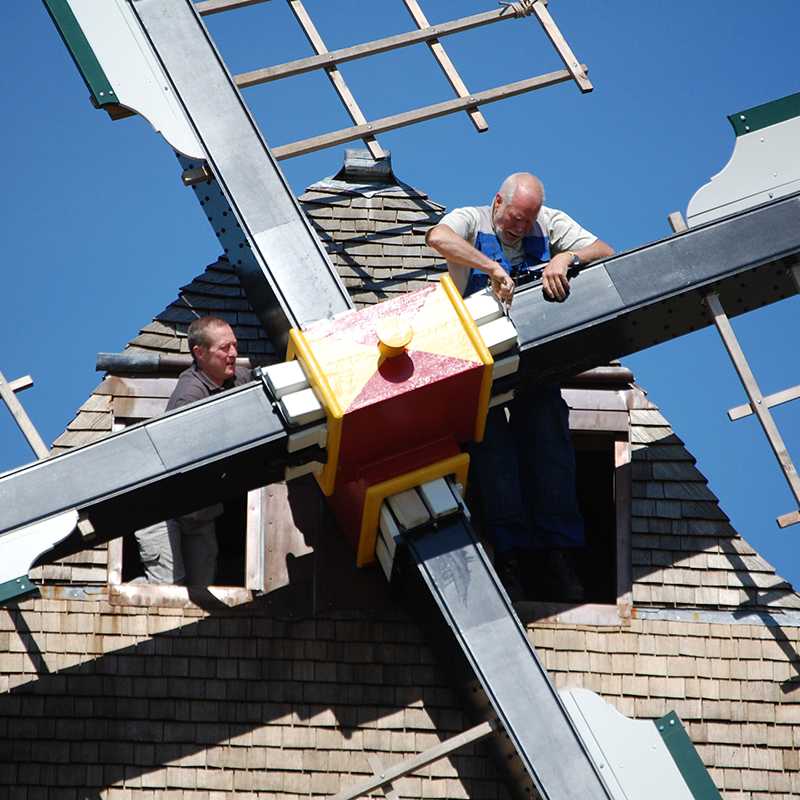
{"points": [[336, 78], [138, 407], [771, 400], [22, 419], [283, 536], [91, 421], [345, 54], [115, 562], [792, 518], [450, 72], [334, 138], [137, 387], [677, 222], [20, 384], [612, 421], [576, 69], [255, 574], [207, 7], [376, 765], [594, 400], [622, 504], [411, 765], [96, 402]]}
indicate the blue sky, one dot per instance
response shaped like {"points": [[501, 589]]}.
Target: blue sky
{"points": [[98, 232]]}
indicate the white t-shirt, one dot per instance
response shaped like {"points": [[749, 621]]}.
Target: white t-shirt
{"points": [[559, 229]]}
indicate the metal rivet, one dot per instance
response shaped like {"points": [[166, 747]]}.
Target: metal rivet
{"points": [[742, 117]]}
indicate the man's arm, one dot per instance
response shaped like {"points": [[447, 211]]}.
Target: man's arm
{"points": [[460, 253], [555, 282]]}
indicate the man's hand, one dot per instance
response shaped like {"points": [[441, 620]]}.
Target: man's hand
{"points": [[555, 282], [502, 284]]}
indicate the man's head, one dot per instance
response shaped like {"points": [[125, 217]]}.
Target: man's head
{"points": [[516, 206], [212, 344]]}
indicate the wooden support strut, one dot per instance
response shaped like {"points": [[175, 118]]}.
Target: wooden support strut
{"points": [[757, 402], [415, 763], [7, 393]]}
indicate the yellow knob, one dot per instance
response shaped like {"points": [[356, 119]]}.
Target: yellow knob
{"points": [[394, 335]]}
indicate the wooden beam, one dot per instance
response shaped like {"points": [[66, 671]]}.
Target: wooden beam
{"points": [[771, 400], [345, 54], [28, 429], [411, 765], [450, 72], [207, 7], [255, 548], [723, 325], [20, 384], [334, 138], [792, 518], [335, 77], [576, 69], [677, 222], [376, 765]]}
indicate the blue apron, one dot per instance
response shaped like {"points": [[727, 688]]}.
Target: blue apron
{"points": [[535, 251], [528, 462]]}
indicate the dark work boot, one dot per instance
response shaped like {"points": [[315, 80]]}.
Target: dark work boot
{"points": [[508, 570]]}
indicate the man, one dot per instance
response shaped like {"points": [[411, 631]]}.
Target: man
{"points": [[525, 467], [185, 549]]}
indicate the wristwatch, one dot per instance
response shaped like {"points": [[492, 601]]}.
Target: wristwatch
{"points": [[575, 262]]}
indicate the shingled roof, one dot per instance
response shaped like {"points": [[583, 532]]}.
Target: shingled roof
{"points": [[256, 700]]}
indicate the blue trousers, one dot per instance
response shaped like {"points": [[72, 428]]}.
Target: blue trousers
{"points": [[525, 468]]}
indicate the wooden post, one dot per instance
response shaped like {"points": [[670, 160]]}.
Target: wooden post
{"points": [[7, 392]]}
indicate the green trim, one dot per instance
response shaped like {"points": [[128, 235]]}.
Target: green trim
{"points": [[758, 117], [685, 757], [16, 587], [81, 51]]}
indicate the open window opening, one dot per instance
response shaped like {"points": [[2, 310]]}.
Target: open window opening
{"points": [[596, 481], [239, 536], [230, 532], [603, 485]]}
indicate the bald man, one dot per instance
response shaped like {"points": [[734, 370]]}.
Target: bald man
{"points": [[525, 467]]}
